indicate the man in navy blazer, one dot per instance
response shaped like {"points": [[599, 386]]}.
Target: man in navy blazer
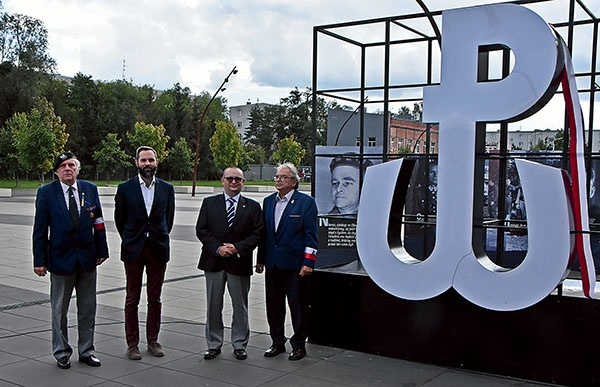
{"points": [[229, 226], [69, 241], [144, 215], [288, 252]]}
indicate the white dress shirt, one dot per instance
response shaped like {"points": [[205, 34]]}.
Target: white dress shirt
{"points": [[147, 193]]}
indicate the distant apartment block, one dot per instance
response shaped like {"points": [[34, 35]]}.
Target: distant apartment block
{"points": [[405, 134], [240, 116], [528, 139]]}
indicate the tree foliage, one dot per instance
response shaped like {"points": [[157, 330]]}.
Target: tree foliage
{"points": [[181, 158], [150, 135], [24, 63], [9, 162], [39, 137], [559, 140], [289, 150], [110, 158], [293, 116], [24, 42], [225, 145], [414, 114]]}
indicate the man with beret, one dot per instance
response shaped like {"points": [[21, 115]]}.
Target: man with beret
{"points": [[69, 241], [345, 189]]}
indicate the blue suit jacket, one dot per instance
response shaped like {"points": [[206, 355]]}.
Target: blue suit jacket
{"points": [[57, 243], [297, 230], [134, 224]]}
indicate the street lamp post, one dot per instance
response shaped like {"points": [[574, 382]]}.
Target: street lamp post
{"points": [[199, 133]]}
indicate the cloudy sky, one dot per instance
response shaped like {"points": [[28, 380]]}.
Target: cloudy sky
{"points": [[197, 42]]}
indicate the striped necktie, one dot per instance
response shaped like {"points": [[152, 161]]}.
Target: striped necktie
{"points": [[230, 211]]}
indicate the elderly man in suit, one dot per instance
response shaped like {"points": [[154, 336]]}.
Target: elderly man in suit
{"points": [[288, 251], [144, 215], [229, 226], [69, 241]]}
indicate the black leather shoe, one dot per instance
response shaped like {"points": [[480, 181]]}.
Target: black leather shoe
{"points": [[91, 360], [240, 354], [297, 354], [64, 363], [274, 350], [211, 354]]}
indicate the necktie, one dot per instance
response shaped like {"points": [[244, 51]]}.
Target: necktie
{"points": [[73, 208], [230, 211]]}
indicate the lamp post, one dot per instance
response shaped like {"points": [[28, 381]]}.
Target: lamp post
{"points": [[199, 133]]}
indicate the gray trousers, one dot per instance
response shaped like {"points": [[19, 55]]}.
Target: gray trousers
{"points": [[238, 288], [61, 289]]}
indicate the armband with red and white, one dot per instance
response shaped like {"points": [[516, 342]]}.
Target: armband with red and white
{"points": [[310, 254], [99, 223]]}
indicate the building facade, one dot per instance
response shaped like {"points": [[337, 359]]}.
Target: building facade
{"points": [[405, 134], [240, 116], [529, 139]]}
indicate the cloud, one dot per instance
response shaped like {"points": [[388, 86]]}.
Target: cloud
{"points": [[197, 42]]}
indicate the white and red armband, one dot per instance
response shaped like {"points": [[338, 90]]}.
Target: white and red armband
{"points": [[310, 254], [99, 223]]}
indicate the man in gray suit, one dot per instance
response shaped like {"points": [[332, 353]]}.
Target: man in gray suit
{"points": [[229, 226]]}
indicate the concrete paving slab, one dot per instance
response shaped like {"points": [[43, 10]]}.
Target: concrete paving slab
{"points": [[25, 348]]}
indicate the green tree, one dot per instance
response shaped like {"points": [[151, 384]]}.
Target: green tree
{"points": [[120, 106], [254, 154], [40, 136], [9, 160], [293, 116], [217, 111], [225, 145], [181, 159], [559, 140], [174, 109], [82, 117], [404, 111], [150, 135], [265, 121], [289, 150], [404, 150], [24, 63], [110, 158]]}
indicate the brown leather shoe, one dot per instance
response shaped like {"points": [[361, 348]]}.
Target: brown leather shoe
{"points": [[156, 350], [134, 353]]}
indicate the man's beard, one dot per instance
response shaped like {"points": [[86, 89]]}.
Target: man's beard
{"points": [[147, 172]]}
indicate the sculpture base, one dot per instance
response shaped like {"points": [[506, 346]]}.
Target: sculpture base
{"points": [[554, 341]]}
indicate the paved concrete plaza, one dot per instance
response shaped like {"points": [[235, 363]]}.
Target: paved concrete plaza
{"points": [[25, 347]]}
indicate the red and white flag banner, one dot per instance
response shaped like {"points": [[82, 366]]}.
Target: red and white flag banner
{"points": [[578, 194]]}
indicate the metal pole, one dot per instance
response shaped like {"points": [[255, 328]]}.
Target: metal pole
{"points": [[199, 133]]}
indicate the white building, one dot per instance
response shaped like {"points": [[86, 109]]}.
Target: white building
{"points": [[527, 139], [240, 116]]}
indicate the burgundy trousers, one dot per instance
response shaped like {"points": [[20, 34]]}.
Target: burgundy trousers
{"points": [[155, 275]]}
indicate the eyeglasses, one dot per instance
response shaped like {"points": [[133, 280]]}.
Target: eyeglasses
{"points": [[282, 178], [232, 178]]}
